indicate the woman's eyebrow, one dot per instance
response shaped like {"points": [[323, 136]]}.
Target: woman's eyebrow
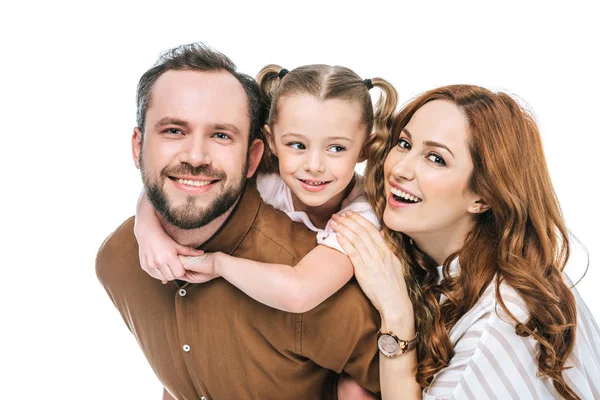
{"points": [[431, 143]]}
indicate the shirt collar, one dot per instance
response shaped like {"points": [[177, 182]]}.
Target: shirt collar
{"points": [[238, 224]]}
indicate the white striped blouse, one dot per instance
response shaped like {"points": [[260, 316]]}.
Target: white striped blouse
{"points": [[492, 362]]}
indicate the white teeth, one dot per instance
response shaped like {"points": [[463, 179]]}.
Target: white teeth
{"points": [[190, 182], [404, 195], [314, 183]]}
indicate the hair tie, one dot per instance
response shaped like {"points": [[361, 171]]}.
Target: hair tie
{"points": [[369, 84], [283, 73]]}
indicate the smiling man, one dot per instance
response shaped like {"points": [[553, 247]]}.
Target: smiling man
{"points": [[197, 144]]}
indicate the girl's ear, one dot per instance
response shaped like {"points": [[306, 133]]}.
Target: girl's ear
{"points": [[270, 139], [364, 152]]}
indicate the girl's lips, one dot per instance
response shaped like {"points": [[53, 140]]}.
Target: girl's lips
{"points": [[399, 204], [313, 188]]}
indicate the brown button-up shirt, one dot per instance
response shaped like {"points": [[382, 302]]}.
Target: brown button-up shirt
{"points": [[212, 340]]}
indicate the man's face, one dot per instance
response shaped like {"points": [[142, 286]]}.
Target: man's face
{"points": [[194, 155]]}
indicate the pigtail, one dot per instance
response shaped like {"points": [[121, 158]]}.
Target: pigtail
{"points": [[383, 116], [268, 82]]}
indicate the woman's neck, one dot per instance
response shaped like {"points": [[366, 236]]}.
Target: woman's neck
{"points": [[441, 244]]}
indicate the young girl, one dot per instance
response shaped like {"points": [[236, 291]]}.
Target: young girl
{"points": [[320, 120]]}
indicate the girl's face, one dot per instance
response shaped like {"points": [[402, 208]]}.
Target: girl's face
{"points": [[427, 175], [318, 144]]}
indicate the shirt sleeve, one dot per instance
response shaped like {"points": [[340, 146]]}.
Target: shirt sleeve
{"points": [[359, 205], [490, 361], [340, 334]]}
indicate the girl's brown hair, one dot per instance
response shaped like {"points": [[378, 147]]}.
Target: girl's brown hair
{"points": [[325, 82], [521, 239]]}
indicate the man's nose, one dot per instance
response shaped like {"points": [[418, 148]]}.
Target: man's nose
{"points": [[195, 151], [314, 162]]}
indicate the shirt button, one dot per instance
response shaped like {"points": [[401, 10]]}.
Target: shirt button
{"points": [[182, 292], [186, 348]]}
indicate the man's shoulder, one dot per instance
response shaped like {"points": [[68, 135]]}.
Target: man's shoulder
{"points": [[276, 229], [119, 248]]}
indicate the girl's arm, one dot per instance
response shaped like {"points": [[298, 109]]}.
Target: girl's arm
{"points": [[157, 251], [380, 275], [321, 273]]}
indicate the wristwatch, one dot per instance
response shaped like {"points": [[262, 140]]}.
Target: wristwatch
{"points": [[390, 346]]}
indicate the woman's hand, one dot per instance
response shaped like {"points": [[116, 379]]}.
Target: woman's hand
{"points": [[377, 269]]}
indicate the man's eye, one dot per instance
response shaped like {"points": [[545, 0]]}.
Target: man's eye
{"points": [[297, 146], [221, 135], [436, 159], [336, 148], [403, 143], [174, 131]]}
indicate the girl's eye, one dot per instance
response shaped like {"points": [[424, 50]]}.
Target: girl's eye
{"points": [[221, 135], [297, 146], [436, 159], [404, 144], [336, 148]]}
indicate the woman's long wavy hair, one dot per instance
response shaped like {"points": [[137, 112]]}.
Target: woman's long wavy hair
{"points": [[522, 238], [325, 82]]}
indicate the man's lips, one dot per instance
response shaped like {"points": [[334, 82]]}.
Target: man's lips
{"points": [[193, 184]]}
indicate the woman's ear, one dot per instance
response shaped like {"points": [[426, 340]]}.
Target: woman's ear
{"points": [[270, 139], [364, 152], [478, 206]]}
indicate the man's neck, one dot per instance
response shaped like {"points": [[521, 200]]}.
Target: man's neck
{"points": [[196, 237]]}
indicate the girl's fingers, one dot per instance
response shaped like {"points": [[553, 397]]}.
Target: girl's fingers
{"points": [[188, 251]]}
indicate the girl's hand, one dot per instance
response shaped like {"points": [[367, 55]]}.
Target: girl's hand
{"points": [[199, 269], [158, 252], [159, 255], [377, 269]]}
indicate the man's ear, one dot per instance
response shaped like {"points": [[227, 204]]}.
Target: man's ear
{"points": [[364, 151], [255, 153], [136, 146], [478, 206], [270, 138]]}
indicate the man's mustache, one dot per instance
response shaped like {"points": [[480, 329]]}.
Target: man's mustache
{"points": [[187, 169]]}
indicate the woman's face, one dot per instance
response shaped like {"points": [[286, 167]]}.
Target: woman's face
{"points": [[427, 175]]}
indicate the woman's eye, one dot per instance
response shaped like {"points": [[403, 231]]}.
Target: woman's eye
{"points": [[436, 159], [221, 135], [403, 143], [297, 146], [336, 148]]}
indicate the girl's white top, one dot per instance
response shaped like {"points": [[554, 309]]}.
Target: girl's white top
{"points": [[492, 362], [275, 192]]}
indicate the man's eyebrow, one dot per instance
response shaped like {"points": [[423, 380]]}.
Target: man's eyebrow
{"points": [[227, 127], [436, 144], [170, 121]]}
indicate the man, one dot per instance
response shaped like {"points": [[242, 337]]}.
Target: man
{"points": [[196, 144]]}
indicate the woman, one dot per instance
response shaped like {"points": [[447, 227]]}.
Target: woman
{"points": [[467, 189]]}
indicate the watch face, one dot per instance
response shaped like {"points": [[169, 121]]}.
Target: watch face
{"points": [[388, 345]]}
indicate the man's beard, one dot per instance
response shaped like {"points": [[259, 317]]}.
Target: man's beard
{"points": [[189, 216]]}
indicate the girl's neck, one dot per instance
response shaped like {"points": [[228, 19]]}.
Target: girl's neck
{"points": [[320, 215]]}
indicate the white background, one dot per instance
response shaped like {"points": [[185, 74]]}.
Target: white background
{"points": [[68, 80]]}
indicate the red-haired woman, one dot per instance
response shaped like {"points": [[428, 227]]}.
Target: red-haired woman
{"points": [[464, 192]]}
